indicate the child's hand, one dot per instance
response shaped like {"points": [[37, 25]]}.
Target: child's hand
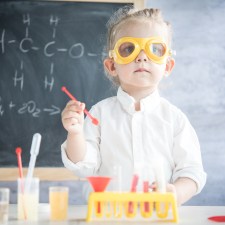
{"points": [[73, 117], [169, 187]]}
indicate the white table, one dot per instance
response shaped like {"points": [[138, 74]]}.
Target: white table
{"points": [[191, 215]]}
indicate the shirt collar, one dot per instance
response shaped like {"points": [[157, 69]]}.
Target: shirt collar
{"points": [[147, 104]]}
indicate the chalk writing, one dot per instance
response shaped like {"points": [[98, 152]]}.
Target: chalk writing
{"points": [[53, 110], [45, 45], [31, 108], [26, 44], [1, 110]]}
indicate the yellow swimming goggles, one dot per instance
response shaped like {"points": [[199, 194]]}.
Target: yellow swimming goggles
{"points": [[127, 49]]}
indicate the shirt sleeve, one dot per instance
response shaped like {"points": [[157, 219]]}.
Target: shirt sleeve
{"points": [[92, 160], [187, 154]]}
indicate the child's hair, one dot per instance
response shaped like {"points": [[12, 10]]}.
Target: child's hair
{"points": [[127, 14]]}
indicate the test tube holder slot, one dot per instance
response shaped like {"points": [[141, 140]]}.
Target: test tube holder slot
{"points": [[116, 206]]}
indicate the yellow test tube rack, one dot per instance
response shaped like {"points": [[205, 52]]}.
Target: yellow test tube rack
{"points": [[118, 206]]}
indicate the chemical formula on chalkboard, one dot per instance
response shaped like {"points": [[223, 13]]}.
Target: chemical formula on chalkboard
{"points": [[48, 49], [45, 45]]}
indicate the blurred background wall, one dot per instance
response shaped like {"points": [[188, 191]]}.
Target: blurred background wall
{"points": [[197, 83]]}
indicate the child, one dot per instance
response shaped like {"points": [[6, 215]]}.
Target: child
{"points": [[137, 124]]}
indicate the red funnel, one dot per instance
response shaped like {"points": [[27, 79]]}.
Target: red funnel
{"points": [[99, 184]]}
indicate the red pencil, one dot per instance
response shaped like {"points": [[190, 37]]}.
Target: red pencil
{"points": [[18, 153], [94, 120]]}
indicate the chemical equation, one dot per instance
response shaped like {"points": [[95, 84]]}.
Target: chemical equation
{"points": [[49, 49], [26, 45], [30, 108]]}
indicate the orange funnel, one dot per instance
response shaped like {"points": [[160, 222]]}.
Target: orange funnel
{"points": [[99, 184]]}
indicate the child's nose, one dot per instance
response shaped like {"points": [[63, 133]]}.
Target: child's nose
{"points": [[142, 57]]}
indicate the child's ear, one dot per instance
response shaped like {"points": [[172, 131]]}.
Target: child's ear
{"points": [[169, 66], [110, 66]]}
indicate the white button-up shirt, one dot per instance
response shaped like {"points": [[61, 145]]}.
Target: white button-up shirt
{"points": [[158, 133]]}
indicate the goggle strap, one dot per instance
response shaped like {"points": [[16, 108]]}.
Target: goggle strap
{"points": [[172, 52], [110, 53]]}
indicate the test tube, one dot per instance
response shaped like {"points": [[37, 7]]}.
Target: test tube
{"points": [[116, 183]]}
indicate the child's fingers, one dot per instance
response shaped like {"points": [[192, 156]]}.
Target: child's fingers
{"points": [[153, 186], [68, 122], [71, 102], [75, 106], [72, 123], [68, 115], [72, 107], [171, 188], [82, 105], [73, 116]]}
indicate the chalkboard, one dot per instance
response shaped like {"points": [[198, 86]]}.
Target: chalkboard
{"points": [[45, 45]]}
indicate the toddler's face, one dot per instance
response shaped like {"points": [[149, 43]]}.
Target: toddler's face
{"points": [[141, 72]]}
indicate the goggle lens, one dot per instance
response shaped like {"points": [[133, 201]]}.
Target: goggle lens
{"points": [[126, 49], [157, 49]]}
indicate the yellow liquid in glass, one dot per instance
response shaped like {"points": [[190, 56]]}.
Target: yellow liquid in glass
{"points": [[58, 205]]}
